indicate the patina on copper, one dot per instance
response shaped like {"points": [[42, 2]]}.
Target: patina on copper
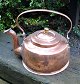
{"points": [[44, 52]]}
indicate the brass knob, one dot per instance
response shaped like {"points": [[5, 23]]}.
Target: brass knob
{"points": [[46, 30]]}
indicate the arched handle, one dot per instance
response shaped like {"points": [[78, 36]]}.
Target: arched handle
{"points": [[43, 10]]}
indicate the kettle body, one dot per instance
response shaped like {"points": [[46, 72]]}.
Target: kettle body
{"points": [[44, 52], [45, 58]]}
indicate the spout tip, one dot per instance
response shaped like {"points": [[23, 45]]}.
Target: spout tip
{"points": [[5, 31]]}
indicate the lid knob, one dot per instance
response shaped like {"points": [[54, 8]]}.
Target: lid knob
{"points": [[46, 30]]}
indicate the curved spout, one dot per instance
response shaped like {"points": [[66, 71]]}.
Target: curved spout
{"points": [[16, 47]]}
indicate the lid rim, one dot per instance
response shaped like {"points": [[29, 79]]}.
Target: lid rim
{"points": [[53, 40]]}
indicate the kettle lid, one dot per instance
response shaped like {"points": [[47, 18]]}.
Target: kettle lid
{"points": [[45, 38]]}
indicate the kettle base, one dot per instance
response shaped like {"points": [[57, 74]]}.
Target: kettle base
{"points": [[52, 73]]}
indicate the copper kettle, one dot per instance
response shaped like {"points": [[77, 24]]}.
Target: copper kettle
{"points": [[44, 52]]}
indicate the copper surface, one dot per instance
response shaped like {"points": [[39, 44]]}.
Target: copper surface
{"points": [[40, 73], [16, 46], [44, 51], [45, 59]]}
